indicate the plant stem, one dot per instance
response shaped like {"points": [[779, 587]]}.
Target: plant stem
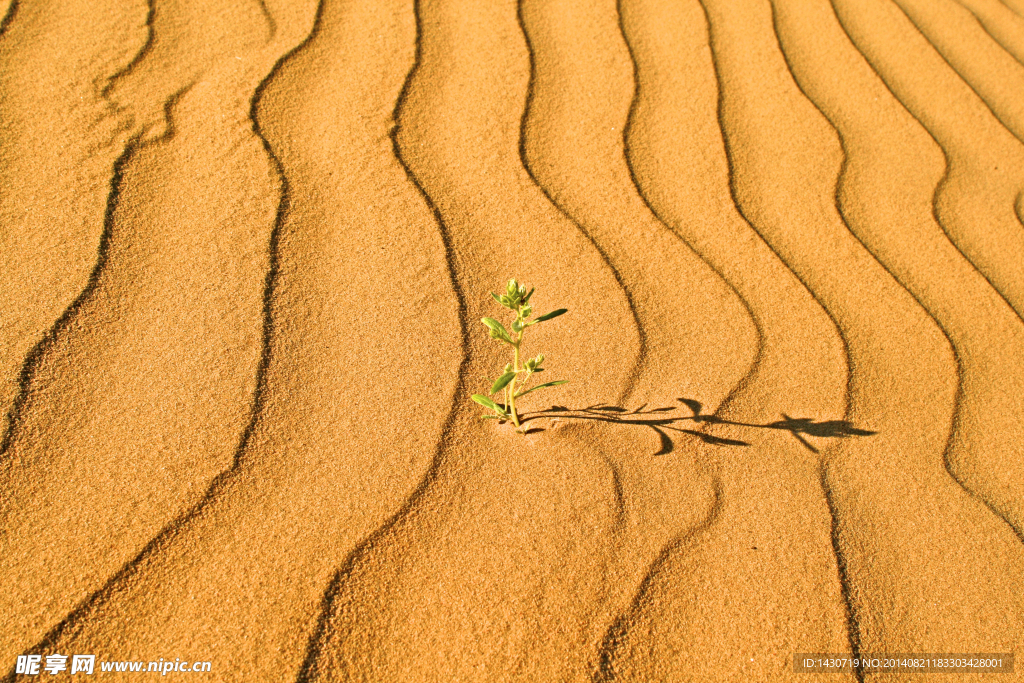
{"points": [[512, 384]]}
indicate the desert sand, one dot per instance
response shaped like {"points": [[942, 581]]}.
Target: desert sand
{"points": [[246, 247]]}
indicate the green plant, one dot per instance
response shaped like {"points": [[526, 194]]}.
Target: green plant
{"points": [[517, 300]]}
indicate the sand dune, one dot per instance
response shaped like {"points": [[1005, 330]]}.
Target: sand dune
{"points": [[1001, 23], [972, 220], [875, 186], [62, 137], [1016, 6], [247, 248]]}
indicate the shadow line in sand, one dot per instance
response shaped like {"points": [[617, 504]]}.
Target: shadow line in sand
{"points": [[661, 421]]}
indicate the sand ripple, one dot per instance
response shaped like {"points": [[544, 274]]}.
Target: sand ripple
{"points": [[246, 248]]}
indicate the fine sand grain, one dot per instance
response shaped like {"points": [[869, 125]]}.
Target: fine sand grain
{"points": [[246, 248]]}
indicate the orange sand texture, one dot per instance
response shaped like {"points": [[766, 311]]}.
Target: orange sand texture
{"points": [[246, 245]]}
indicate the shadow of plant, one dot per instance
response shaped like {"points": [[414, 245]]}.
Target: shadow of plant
{"points": [[661, 421]]}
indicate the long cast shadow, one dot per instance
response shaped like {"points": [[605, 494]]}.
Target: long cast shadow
{"points": [[661, 420]]}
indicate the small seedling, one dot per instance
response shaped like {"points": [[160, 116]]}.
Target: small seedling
{"points": [[516, 376]]}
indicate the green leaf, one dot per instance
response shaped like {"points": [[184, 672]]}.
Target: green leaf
{"points": [[517, 325], [498, 299], [549, 316], [498, 330], [541, 386], [502, 382], [526, 298], [488, 403]]}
